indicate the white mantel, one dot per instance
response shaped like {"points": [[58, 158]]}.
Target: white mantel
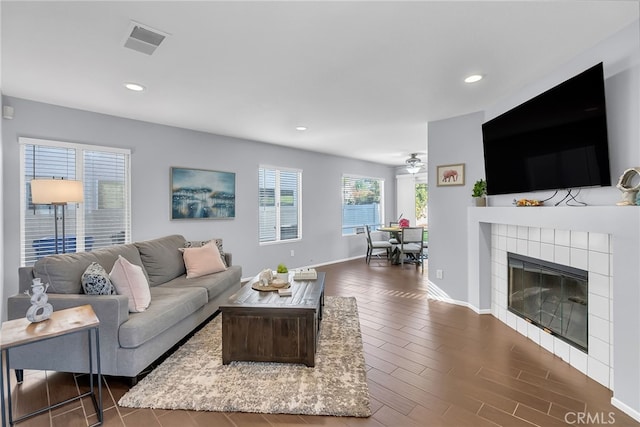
{"points": [[622, 224]]}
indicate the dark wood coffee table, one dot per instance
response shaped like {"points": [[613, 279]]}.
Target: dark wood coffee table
{"points": [[262, 326]]}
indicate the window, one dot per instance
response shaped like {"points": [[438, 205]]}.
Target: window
{"points": [[279, 204], [422, 199], [362, 203], [103, 219]]}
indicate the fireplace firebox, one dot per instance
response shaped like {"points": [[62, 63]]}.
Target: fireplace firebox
{"points": [[552, 296]]}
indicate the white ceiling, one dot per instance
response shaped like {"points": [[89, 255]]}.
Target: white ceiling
{"points": [[365, 77]]}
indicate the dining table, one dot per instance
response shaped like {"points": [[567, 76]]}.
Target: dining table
{"points": [[396, 233]]}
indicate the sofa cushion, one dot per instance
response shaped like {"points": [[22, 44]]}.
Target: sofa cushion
{"points": [[215, 283], [108, 256], [168, 307], [63, 272], [199, 243], [95, 281], [203, 260], [129, 280], [162, 258]]}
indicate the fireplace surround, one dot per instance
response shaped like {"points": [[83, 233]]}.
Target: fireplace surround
{"points": [[605, 241]]}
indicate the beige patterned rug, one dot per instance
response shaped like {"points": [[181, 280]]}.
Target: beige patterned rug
{"points": [[194, 378]]}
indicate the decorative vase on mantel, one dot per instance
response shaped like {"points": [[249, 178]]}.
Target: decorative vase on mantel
{"points": [[480, 201]]}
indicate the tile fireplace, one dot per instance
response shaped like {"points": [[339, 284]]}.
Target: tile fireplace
{"points": [[602, 240]]}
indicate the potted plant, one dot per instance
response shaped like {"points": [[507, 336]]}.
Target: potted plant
{"points": [[479, 192], [283, 272]]}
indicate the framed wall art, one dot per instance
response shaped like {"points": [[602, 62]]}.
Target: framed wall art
{"points": [[451, 174], [202, 194]]}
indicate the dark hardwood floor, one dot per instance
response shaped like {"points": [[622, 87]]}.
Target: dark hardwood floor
{"points": [[429, 364]]}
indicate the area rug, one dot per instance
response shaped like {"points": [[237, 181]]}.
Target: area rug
{"points": [[194, 378]]}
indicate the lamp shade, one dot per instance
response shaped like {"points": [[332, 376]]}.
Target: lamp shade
{"points": [[56, 191]]}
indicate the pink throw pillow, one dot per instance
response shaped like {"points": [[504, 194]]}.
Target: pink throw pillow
{"points": [[203, 260], [129, 280]]}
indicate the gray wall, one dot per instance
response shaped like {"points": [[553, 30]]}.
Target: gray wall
{"points": [[155, 148], [452, 141], [459, 140]]}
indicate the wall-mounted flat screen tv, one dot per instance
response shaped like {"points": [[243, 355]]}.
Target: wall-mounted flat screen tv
{"points": [[556, 140]]}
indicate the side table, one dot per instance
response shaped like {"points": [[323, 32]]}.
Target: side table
{"points": [[19, 332]]}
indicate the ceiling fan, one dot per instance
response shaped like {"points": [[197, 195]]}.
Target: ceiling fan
{"points": [[414, 164]]}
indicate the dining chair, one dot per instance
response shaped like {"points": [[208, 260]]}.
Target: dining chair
{"points": [[376, 244], [411, 245]]}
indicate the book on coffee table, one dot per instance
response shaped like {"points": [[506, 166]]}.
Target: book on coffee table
{"points": [[305, 274], [286, 292]]}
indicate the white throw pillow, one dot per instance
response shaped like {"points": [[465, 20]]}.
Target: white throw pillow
{"points": [[203, 260], [129, 280]]}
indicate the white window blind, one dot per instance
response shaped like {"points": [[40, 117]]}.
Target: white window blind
{"points": [[103, 219], [362, 203], [279, 204]]}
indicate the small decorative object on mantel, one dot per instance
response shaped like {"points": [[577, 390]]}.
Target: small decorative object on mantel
{"points": [[479, 193], [629, 184], [528, 202], [40, 309]]}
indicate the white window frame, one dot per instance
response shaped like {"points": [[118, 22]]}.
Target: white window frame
{"points": [[277, 192], [79, 175], [359, 227]]}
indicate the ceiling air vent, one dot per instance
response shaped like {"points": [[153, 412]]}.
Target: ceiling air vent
{"points": [[144, 39]]}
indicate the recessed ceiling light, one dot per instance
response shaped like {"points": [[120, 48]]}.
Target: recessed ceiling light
{"points": [[134, 87], [473, 78], [301, 128]]}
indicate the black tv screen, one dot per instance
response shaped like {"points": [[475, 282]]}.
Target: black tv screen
{"points": [[556, 140]]}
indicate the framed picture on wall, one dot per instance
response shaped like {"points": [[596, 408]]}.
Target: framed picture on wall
{"points": [[451, 174], [202, 194]]}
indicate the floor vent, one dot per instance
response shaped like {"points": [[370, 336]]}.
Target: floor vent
{"points": [[143, 39]]}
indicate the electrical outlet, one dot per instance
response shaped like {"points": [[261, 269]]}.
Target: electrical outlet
{"points": [[439, 274], [292, 252]]}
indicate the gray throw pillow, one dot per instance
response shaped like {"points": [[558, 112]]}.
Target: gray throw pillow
{"points": [[95, 281]]}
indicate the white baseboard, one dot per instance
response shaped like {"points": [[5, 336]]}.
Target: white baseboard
{"points": [[439, 295], [626, 409]]}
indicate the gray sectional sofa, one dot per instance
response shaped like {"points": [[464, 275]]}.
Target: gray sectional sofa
{"points": [[129, 342]]}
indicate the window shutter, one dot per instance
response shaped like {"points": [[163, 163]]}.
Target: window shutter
{"points": [[279, 204], [103, 219]]}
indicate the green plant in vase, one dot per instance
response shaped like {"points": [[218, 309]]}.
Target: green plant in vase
{"points": [[479, 192], [283, 272]]}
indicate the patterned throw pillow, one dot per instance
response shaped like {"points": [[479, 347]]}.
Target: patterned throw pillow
{"points": [[95, 281], [200, 243]]}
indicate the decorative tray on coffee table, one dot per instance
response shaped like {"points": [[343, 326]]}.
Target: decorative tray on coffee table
{"points": [[274, 285]]}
